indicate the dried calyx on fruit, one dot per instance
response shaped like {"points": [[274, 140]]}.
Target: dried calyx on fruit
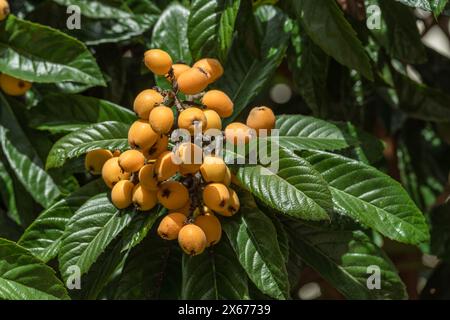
{"points": [[194, 185]]}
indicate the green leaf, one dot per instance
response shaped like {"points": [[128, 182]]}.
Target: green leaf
{"points": [[8, 194], [170, 33], [245, 76], [109, 135], [62, 58], [336, 37], [152, 271], [43, 237], [370, 197], [254, 239], [299, 132], [211, 27], [343, 259], [63, 112], [213, 275], [89, 231], [296, 189], [24, 277]]}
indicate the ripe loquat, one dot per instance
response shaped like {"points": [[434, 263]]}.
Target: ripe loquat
{"points": [[131, 161], [13, 86], [157, 148], [158, 61], [178, 69], [212, 67], [148, 178], [213, 120], [4, 9], [144, 199], [227, 179], [213, 169], [190, 118], [141, 135], [232, 206], [186, 209], [192, 239], [261, 118], [146, 101], [170, 225], [211, 227], [238, 132], [122, 194], [216, 196], [165, 167], [161, 119], [113, 173], [173, 195], [95, 160], [218, 101], [192, 81]]}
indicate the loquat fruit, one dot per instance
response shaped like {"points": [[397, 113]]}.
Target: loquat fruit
{"points": [[13, 86], [173, 195], [218, 101], [232, 206], [227, 179], [191, 156], [213, 120], [190, 118], [165, 167], [4, 9], [113, 173], [161, 119], [131, 161], [95, 160], [157, 148], [261, 118], [141, 135], [238, 132], [170, 225], [146, 101], [211, 227], [144, 199], [213, 169], [158, 61], [122, 194], [192, 81], [192, 239], [216, 196], [178, 69], [212, 67], [148, 178], [186, 209]]}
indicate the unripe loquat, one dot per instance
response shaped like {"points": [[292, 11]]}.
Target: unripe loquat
{"points": [[113, 173], [213, 120], [165, 167], [192, 239], [170, 225], [146, 101], [216, 196], [131, 161], [95, 160], [238, 132], [158, 61], [148, 178], [141, 135], [13, 86], [178, 69], [213, 169], [193, 81], [261, 118], [4, 9], [190, 118], [122, 194], [144, 199], [218, 101], [213, 68], [161, 119], [173, 195], [157, 148], [211, 227]]}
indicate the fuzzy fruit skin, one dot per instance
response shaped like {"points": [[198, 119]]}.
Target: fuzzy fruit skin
{"points": [[13, 86], [165, 167], [186, 209], [146, 101], [261, 118], [192, 81], [4, 9], [131, 161], [216, 196], [161, 145], [95, 160], [144, 199], [141, 135], [148, 178], [211, 227], [113, 173], [218, 101], [170, 225], [158, 61], [173, 195], [213, 120], [187, 118], [161, 119], [232, 206], [212, 67], [213, 169], [178, 69], [238, 132], [192, 239], [122, 194]]}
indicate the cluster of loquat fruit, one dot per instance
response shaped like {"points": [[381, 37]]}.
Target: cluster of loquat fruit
{"points": [[152, 172]]}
